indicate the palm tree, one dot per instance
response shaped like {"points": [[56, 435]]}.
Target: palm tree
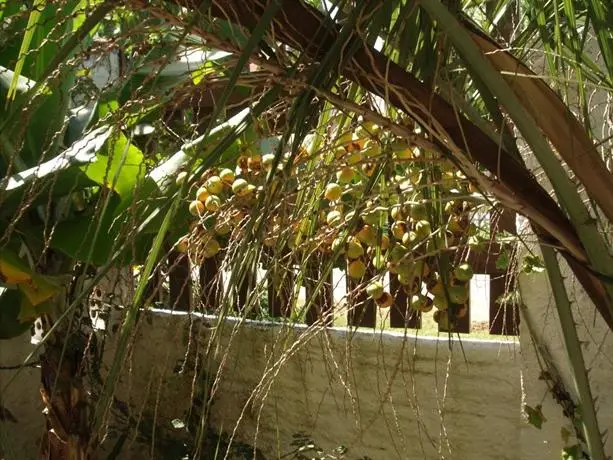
{"points": [[453, 78]]}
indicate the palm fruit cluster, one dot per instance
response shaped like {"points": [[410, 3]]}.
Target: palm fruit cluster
{"points": [[411, 215]]}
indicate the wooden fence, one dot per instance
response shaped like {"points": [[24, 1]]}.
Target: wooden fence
{"points": [[361, 310]]}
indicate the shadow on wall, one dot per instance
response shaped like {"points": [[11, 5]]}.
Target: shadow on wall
{"points": [[293, 392]]}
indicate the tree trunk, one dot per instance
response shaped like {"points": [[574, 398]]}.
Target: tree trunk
{"points": [[65, 397]]}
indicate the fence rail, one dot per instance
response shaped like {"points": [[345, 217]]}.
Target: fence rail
{"points": [[361, 310]]}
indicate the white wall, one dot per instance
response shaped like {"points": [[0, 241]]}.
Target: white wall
{"points": [[383, 395]]}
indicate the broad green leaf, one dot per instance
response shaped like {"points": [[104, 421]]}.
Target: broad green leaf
{"points": [[533, 264], [30, 30], [39, 289], [502, 262], [118, 166], [81, 152], [10, 308], [13, 270], [535, 415]]}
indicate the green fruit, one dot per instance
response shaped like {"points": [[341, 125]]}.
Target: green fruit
{"points": [[375, 289], [463, 272], [397, 253], [214, 185], [354, 249], [356, 269], [418, 212], [371, 128], [405, 278], [397, 212], [409, 238], [333, 192], [354, 158], [437, 289], [372, 148], [212, 203], [223, 228], [181, 178], [227, 176], [440, 302], [182, 245], [379, 262], [211, 248], [422, 229], [345, 175], [427, 306], [240, 187], [337, 245], [334, 218], [417, 302], [371, 218], [458, 294], [442, 318]]}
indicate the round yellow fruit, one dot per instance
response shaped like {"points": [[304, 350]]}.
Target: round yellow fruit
{"points": [[240, 187], [367, 235], [196, 208], [214, 185], [333, 192], [212, 203], [211, 248], [181, 178], [354, 249], [202, 194], [356, 269], [345, 175], [182, 245], [227, 176]]}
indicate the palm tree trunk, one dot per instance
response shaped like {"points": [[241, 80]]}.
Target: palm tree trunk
{"points": [[64, 395]]}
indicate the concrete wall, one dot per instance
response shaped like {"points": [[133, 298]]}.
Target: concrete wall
{"points": [[383, 395]]}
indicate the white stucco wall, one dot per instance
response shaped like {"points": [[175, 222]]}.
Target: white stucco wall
{"points": [[380, 394], [597, 348]]}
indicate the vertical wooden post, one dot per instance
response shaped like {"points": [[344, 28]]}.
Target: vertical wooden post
{"points": [[401, 315], [179, 281], [211, 286], [153, 290], [362, 310], [247, 284], [280, 283], [322, 302]]}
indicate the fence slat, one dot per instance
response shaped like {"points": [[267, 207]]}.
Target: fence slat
{"points": [[323, 304], [211, 286], [362, 310], [400, 313], [179, 281], [246, 285], [280, 288], [153, 289]]}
